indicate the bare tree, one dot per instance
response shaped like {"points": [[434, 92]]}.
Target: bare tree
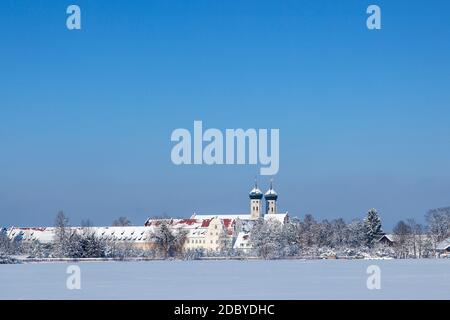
{"points": [[416, 237], [402, 235], [87, 223], [122, 222]]}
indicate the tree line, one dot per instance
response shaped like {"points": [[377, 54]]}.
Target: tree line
{"points": [[269, 239], [311, 238]]}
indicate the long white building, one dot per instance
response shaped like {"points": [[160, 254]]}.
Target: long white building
{"points": [[211, 232]]}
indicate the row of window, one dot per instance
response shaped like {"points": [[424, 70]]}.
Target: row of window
{"points": [[204, 241], [196, 241]]}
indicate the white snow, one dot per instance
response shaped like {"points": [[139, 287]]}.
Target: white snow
{"points": [[288, 279]]}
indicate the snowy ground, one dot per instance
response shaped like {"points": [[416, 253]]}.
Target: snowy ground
{"points": [[424, 279]]}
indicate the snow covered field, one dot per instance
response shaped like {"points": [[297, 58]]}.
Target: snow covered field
{"points": [[323, 279]]}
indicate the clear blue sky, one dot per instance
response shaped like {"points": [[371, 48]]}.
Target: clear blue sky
{"points": [[86, 116]]}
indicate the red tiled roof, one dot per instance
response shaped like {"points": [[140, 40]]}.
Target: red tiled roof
{"points": [[227, 222], [205, 223], [187, 221]]}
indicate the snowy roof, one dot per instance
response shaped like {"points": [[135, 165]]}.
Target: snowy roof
{"points": [[443, 245], [256, 191], [390, 237], [200, 232], [178, 223], [228, 218], [256, 194], [43, 235], [135, 234], [242, 241], [271, 192], [222, 216], [46, 235]]}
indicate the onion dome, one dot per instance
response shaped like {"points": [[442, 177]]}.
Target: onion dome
{"points": [[271, 194], [256, 194]]}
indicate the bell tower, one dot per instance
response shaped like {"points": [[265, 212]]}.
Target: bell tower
{"points": [[255, 202], [271, 200]]}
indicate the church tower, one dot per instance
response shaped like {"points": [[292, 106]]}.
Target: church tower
{"points": [[255, 202], [271, 200]]}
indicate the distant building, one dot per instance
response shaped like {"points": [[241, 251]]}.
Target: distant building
{"points": [[386, 239], [213, 232], [138, 236], [443, 247], [210, 232]]}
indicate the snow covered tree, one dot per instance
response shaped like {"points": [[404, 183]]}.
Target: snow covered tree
{"points": [[167, 241], [266, 238], [92, 246], [62, 234], [308, 229], [340, 233], [85, 245], [5, 246], [8, 247], [72, 248], [39, 250], [4, 241], [290, 238], [356, 234], [324, 234], [124, 250], [373, 227], [438, 221]]}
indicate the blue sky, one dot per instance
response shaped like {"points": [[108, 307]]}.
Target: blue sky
{"points": [[86, 116]]}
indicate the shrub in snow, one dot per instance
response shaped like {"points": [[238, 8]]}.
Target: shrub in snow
{"points": [[193, 254], [38, 250], [4, 259]]}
